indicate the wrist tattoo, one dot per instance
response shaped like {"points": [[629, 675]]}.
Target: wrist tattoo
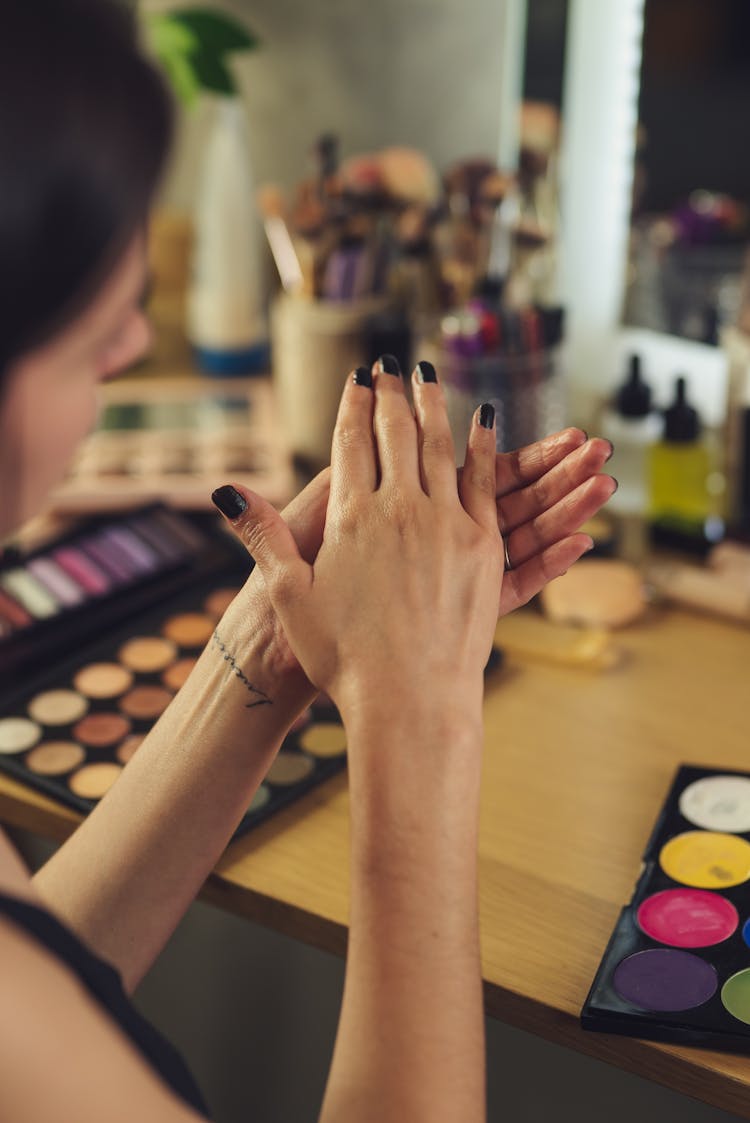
{"points": [[261, 698]]}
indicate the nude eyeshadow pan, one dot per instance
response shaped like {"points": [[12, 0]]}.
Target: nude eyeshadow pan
{"points": [[103, 680]]}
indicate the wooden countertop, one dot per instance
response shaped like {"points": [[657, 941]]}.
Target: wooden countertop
{"points": [[577, 764]]}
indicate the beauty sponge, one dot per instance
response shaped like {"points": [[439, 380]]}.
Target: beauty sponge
{"points": [[596, 592]]}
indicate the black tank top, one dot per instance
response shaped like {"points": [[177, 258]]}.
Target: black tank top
{"points": [[103, 982]]}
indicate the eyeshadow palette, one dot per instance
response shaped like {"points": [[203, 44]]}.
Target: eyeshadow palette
{"points": [[69, 724], [102, 571], [173, 438], [677, 967]]}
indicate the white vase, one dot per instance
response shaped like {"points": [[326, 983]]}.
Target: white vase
{"points": [[226, 321]]}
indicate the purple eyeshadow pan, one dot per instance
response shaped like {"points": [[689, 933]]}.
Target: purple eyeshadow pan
{"points": [[665, 979], [109, 558], [134, 548], [177, 528], [167, 547]]}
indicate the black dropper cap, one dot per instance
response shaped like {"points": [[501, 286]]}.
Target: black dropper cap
{"points": [[553, 323], [633, 399], [681, 422]]}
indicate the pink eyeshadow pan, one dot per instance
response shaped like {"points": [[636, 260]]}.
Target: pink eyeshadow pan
{"points": [[83, 570]]}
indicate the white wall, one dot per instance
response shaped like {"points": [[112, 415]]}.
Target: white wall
{"points": [[419, 72]]}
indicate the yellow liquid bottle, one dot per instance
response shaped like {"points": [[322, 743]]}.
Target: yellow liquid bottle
{"points": [[685, 501]]}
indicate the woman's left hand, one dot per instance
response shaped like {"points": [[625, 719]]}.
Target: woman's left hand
{"points": [[544, 493]]}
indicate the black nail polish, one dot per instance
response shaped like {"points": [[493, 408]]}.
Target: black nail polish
{"points": [[426, 372], [487, 416], [362, 377], [617, 484], [611, 451], [389, 364], [229, 501]]}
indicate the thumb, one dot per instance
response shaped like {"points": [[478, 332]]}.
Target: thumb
{"points": [[306, 515], [268, 539]]}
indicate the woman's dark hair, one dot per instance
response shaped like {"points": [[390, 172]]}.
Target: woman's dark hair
{"points": [[85, 125]]}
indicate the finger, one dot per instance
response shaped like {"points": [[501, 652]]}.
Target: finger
{"points": [[517, 507], [523, 582], [268, 539], [524, 465], [306, 515], [394, 426], [437, 456], [477, 486], [560, 521], [354, 468]]}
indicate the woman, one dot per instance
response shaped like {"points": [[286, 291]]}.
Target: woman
{"points": [[84, 126]]}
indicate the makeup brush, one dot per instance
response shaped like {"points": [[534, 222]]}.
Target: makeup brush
{"points": [[271, 206]]}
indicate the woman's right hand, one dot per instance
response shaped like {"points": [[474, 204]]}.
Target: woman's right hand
{"points": [[402, 599]]}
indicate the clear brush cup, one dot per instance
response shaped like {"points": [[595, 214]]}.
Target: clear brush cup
{"points": [[527, 391]]}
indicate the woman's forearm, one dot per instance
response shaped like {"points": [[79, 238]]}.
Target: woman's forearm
{"points": [[125, 877], [410, 1043]]}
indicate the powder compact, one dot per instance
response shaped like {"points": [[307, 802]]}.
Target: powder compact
{"points": [[136, 598], [677, 967]]}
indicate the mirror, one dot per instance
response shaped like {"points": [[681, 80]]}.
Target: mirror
{"points": [[690, 219]]}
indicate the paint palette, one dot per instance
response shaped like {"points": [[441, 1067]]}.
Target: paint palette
{"points": [[71, 724], [677, 967]]}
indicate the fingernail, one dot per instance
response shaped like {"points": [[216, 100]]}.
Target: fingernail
{"points": [[487, 416], [389, 365], [617, 484], [362, 377], [611, 450], [590, 546], [229, 501], [426, 372]]}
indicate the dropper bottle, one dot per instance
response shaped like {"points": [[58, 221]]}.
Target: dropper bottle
{"points": [[633, 426], [686, 493]]}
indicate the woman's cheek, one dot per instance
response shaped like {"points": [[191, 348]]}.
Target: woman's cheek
{"points": [[74, 419]]}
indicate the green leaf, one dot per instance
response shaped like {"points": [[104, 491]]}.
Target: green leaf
{"points": [[216, 32], [185, 81], [169, 38], [173, 45], [212, 73]]}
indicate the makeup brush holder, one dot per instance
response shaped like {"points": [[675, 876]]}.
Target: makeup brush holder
{"points": [[527, 391], [315, 343]]}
